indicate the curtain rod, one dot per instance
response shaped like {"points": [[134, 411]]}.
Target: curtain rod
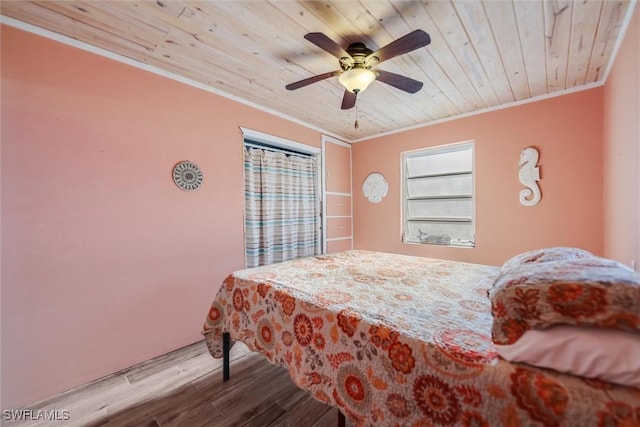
{"points": [[262, 146]]}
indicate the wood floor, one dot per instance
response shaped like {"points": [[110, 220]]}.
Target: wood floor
{"points": [[185, 388]]}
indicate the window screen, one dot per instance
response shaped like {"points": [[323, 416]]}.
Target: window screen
{"points": [[438, 196]]}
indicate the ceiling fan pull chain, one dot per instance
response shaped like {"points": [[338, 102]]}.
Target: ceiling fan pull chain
{"points": [[355, 125]]}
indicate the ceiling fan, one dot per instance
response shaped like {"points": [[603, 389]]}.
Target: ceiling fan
{"points": [[357, 61]]}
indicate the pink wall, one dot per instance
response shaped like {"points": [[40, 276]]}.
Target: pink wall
{"points": [[105, 262], [567, 130], [622, 151]]}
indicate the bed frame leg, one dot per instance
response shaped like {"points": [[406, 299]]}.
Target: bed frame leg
{"points": [[226, 346], [341, 420]]}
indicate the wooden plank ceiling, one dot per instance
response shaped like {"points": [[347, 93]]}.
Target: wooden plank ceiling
{"points": [[482, 53]]}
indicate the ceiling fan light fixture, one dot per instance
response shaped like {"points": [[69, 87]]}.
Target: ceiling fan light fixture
{"points": [[356, 80]]}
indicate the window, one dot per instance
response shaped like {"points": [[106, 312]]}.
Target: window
{"points": [[438, 199]]}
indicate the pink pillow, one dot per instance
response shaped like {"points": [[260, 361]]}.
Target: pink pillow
{"points": [[608, 355]]}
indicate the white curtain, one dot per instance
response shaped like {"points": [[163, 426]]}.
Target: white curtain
{"points": [[281, 212]]}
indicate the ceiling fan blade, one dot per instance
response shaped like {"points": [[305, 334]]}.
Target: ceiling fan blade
{"points": [[349, 100], [308, 81], [324, 42], [412, 41], [400, 82]]}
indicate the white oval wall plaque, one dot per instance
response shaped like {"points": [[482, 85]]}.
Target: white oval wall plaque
{"points": [[375, 187]]}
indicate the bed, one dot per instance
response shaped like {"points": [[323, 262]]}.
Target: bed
{"points": [[398, 340]]}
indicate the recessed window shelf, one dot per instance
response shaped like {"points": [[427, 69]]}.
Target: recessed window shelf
{"points": [[443, 219]]}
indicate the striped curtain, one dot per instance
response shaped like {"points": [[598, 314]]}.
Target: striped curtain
{"points": [[281, 213]]}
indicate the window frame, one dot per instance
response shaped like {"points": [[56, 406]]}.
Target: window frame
{"points": [[404, 182]]}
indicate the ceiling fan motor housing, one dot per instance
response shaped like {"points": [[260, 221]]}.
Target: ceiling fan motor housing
{"points": [[359, 53]]}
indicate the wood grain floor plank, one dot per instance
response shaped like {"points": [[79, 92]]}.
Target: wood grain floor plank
{"points": [[185, 388], [329, 419], [159, 364], [267, 382], [264, 414], [307, 411]]}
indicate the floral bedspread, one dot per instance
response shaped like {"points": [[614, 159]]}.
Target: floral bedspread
{"points": [[394, 340]]}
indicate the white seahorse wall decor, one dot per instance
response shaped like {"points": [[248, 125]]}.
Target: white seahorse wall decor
{"points": [[529, 175]]}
